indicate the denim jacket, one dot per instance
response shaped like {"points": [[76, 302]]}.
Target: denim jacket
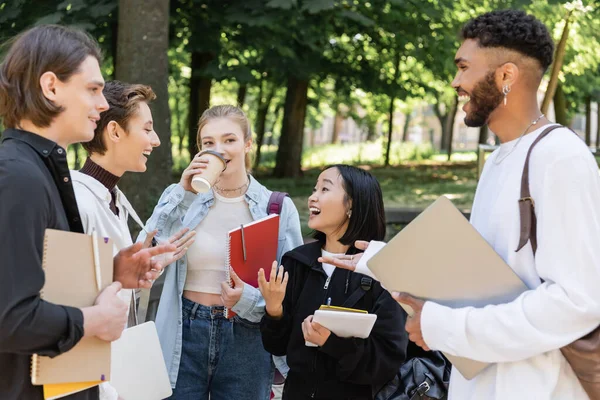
{"points": [[179, 209]]}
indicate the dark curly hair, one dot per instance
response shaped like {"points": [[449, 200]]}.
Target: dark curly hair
{"points": [[123, 99], [514, 30]]}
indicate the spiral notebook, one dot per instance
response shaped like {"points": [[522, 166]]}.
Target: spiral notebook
{"points": [[251, 247], [70, 280]]}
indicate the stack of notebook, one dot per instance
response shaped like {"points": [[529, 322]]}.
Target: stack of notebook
{"points": [[75, 269]]}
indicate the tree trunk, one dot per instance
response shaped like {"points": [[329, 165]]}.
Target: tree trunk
{"points": [[276, 116], [450, 124], [338, 120], [588, 120], [199, 97], [241, 94], [558, 60], [371, 131], [560, 106], [142, 58], [261, 121], [181, 131], [388, 145], [483, 134], [408, 117], [289, 154], [114, 27], [442, 117]]}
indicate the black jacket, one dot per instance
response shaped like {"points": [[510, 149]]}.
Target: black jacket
{"points": [[344, 368], [35, 194]]}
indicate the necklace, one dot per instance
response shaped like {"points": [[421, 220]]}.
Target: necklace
{"points": [[221, 190], [535, 121]]}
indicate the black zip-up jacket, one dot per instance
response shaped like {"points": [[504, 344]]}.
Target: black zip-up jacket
{"points": [[344, 368]]}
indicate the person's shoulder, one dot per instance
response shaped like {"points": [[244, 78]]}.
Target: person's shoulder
{"points": [[22, 174], [560, 144], [305, 254]]}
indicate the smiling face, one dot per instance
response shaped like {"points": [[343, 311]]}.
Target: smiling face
{"points": [[475, 83], [328, 205], [226, 137], [136, 142], [81, 99]]}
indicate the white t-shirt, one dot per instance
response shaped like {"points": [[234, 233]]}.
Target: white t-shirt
{"points": [[522, 338], [329, 268], [206, 256]]}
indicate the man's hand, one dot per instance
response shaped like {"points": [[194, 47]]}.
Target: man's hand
{"points": [[413, 322], [273, 291], [107, 318], [136, 268], [182, 239], [314, 332], [231, 295], [347, 261]]}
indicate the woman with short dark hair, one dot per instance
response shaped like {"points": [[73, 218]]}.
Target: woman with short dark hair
{"points": [[346, 205]]}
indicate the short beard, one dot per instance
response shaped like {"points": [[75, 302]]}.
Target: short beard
{"points": [[485, 98]]}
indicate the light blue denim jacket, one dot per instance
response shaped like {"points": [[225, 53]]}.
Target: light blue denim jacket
{"points": [[179, 209]]}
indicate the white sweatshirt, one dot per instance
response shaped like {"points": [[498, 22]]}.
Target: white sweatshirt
{"points": [[522, 338], [93, 201]]}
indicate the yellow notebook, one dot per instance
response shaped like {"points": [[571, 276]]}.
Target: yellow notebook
{"points": [[57, 390], [70, 280], [335, 308]]}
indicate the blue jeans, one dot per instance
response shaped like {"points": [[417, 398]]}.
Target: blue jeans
{"points": [[223, 358]]}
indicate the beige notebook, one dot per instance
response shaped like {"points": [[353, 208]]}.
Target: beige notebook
{"points": [[440, 256], [70, 279]]}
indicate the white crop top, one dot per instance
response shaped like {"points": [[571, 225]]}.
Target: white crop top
{"points": [[206, 256]]}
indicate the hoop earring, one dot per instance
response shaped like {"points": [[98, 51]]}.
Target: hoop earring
{"points": [[505, 91]]}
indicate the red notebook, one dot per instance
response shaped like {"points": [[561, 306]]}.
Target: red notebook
{"points": [[251, 247]]}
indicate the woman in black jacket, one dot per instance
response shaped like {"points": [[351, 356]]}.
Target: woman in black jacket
{"points": [[346, 204]]}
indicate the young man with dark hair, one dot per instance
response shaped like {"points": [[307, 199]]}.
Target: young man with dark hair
{"points": [[50, 97], [500, 66]]}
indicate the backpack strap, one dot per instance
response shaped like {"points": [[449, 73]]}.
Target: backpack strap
{"points": [[276, 202], [366, 283], [526, 204]]}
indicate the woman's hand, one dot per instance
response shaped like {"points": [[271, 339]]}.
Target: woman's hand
{"points": [[231, 295], [273, 291], [197, 166], [314, 333]]}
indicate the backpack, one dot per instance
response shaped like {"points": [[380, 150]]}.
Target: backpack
{"points": [[583, 354], [275, 204], [424, 375]]}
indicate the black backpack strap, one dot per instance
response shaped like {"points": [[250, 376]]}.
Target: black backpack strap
{"points": [[366, 284], [276, 202]]}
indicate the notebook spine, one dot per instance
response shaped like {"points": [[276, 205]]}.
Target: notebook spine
{"points": [[35, 369], [227, 266], [35, 359]]}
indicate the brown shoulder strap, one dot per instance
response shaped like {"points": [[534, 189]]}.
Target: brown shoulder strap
{"points": [[526, 203]]}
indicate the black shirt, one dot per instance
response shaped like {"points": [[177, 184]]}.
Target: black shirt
{"points": [[35, 193]]}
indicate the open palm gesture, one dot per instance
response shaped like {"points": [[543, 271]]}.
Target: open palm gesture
{"points": [[273, 291]]}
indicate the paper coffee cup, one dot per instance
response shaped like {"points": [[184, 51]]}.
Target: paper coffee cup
{"points": [[202, 183]]}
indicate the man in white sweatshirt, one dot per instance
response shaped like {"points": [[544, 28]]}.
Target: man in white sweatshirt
{"points": [[501, 63], [500, 66]]}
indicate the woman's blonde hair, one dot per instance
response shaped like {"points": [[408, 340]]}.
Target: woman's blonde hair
{"points": [[231, 113]]}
